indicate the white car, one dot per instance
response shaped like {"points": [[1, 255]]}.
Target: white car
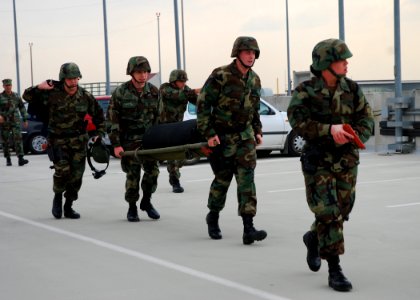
{"points": [[277, 132]]}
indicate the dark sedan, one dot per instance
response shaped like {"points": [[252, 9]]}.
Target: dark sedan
{"points": [[33, 137]]}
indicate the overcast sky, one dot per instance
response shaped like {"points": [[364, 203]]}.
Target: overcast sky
{"points": [[63, 31]]}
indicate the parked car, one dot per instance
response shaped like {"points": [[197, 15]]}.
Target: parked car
{"points": [[277, 132], [33, 137]]}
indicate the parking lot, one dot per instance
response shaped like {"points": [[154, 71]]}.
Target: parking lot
{"points": [[102, 256]]}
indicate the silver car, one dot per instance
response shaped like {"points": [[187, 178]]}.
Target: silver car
{"points": [[277, 132]]}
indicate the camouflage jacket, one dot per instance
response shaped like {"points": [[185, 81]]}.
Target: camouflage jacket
{"points": [[131, 113], [10, 107], [229, 103], [66, 113], [313, 109], [173, 102]]}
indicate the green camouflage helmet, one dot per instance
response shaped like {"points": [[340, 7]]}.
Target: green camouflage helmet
{"points": [[7, 81], [69, 70], [327, 52], [138, 63], [245, 43], [100, 153], [178, 75]]}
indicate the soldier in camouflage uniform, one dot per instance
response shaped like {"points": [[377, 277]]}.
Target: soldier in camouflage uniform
{"points": [[173, 99], [317, 111], [66, 104], [10, 106], [134, 107], [227, 116]]}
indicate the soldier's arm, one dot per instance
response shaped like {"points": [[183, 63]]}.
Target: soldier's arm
{"points": [[162, 104], [255, 99], [206, 100], [363, 117], [155, 92], [113, 117], [22, 109], [191, 94]]}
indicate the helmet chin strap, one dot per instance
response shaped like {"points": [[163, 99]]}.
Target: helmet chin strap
{"points": [[136, 80], [244, 65], [338, 76]]}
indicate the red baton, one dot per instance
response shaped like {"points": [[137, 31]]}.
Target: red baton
{"points": [[356, 138]]}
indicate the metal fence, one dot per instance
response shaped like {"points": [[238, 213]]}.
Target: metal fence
{"points": [[99, 88]]}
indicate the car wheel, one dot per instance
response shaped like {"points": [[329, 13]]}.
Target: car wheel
{"points": [[36, 142], [295, 143]]}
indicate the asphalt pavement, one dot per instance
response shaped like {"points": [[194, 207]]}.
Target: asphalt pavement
{"points": [[102, 256]]}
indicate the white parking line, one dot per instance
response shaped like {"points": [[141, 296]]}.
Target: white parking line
{"points": [[403, 205], [359, 183], [151, 259]]}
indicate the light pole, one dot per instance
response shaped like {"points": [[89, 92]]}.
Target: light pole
{"points": [[16, 48], [183, 39], [289, 82], [108, 84], [341, 19], [158, 25], [178, 58], [30, 55]]}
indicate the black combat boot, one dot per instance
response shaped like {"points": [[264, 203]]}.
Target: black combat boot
{"points": [[8, 161], [250, 233], [212, 220], [22, 161], [57, 207], [312, 257], [147, 206], [69, 212], [132, 214], [336, 278], [176, 186]]}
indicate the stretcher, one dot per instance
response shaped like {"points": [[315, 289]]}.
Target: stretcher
{"points": [[180, 152], [172, 141]]}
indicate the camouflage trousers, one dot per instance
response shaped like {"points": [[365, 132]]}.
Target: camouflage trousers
{"points": [[238, 159], [173, 170], [69, 164], [132, 167], [330, 196], [8, 131]]}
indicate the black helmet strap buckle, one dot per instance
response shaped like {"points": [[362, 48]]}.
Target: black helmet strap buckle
{"points": [[95, 172]]}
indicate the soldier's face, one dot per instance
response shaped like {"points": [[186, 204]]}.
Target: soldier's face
{"points": [[180, 84], [71, 83], [247, 57], [7, 88], [340, 67], [140, 76]]}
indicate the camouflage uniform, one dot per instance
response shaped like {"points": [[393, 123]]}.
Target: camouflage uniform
{"points": [[12, 108], [131, 113], [172, 105], [228, 110], [228, 106], [330, 190], [329, 169], [67, 135]]}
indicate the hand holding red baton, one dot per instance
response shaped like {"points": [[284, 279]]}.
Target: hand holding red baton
{"points": [[356, 138]]}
